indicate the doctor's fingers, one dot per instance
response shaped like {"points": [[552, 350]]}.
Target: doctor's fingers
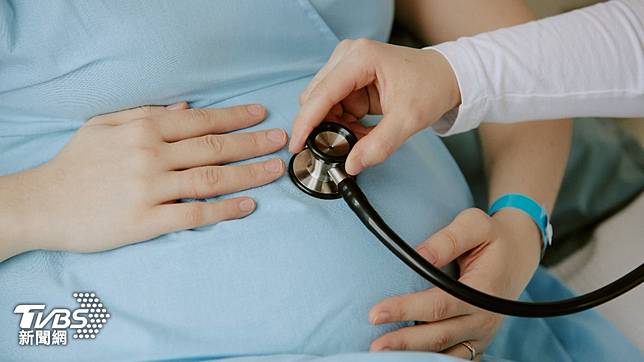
{"points": [[431, 305], [381, 142], [471, 228], [355, 106], [334, 59], [215, 149], [209, 181], [362, 102], [347, 76], [358, 128]]}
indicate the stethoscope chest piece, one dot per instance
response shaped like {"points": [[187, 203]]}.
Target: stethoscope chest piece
{"points": [[326, 147]]}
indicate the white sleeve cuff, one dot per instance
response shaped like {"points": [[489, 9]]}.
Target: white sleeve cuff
{"points": [[470, 113]]}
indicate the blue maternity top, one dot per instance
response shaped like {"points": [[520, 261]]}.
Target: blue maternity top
{"points": [[300, 274]]}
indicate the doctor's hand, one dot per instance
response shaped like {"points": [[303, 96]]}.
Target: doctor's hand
{"points": [[497, 255], [118, 179], [411, 88]]}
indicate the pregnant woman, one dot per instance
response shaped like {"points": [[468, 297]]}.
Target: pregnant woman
{"points": [[97, 143]]}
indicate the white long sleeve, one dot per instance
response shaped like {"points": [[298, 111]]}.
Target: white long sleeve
{"points": [[588, 62]]}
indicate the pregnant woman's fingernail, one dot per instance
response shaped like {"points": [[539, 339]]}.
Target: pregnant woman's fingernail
{"points": [[274, 166], [247, 205], [277, 136], [255, 109], [380, 318], [178, 105]]}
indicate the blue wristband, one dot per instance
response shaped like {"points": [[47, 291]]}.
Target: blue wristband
{"points": [[530, 207]]}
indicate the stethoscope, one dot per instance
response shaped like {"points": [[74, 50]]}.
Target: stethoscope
{"points": [[318, 170]]}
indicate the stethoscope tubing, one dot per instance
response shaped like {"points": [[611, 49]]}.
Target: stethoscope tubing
{"points": [[360, 205]]}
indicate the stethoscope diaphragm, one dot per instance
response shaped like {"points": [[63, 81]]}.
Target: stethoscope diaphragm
{"points": [[326, 147]]}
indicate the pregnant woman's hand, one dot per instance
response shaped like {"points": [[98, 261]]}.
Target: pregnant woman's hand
{"points": [[497, 255], [117, 180]]}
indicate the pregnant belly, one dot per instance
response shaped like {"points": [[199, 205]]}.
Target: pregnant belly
{"points": [[297, 276]]}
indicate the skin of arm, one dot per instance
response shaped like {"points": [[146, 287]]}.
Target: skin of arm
{"points": [[14, 218]]}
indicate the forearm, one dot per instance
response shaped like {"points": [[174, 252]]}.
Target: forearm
{"points": [[506, 148], [528, 158], [533, 153], [588, 62], [16, 214], [437, 21]]}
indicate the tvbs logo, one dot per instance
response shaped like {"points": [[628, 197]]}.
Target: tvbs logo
{"points": [[41, 328]]}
